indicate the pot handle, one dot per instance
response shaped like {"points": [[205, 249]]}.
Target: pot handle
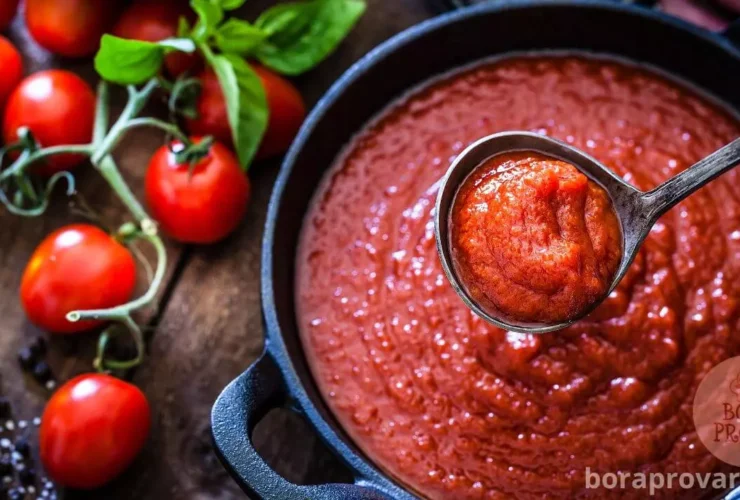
{"points": [[241, 405]]}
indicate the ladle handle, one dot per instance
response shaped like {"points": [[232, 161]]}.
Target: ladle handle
{"points": [[675, 189]]}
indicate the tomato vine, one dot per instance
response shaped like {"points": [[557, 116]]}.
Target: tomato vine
{"points": [[99, 152]]}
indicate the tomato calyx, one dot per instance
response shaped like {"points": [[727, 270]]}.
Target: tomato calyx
{"points": [[191, 153]]}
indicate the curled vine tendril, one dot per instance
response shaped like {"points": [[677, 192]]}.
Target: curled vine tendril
{"points": [[21, 192], [25, 200]]}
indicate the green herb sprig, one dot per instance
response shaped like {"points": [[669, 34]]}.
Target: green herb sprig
{"points": [[289, 38]]}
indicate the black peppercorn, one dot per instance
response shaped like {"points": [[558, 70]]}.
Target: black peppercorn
{"points": [[27, 477], [5, 408], [42, 372], [22, 447], [26, 359], [6, 466], [38, 347]]}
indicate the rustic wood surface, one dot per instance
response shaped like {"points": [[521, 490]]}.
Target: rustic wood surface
{"points": [[208, 327]]}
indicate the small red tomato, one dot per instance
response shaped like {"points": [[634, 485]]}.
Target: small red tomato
{"points": [[212, 116], [285, 104], [59, 108], [92, 429], [287, 112], [12, 65], [155, 20], [8, 8], [201, 203], [71, 28], [76, 267]]}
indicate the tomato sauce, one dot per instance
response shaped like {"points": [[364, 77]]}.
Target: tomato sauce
{"points": [[533, 239], [455, 408]]}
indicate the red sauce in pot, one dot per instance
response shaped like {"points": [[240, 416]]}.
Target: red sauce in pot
{"points": [[455, 408], [533, 239]]}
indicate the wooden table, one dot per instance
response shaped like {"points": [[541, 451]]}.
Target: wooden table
{"points": [[208, 326]]}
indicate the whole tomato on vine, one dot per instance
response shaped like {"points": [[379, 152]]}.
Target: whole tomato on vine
{"points": [[156, 20], [70, 28], [8, 9], [197, 202], [12, 65], [286, 111], [76, 267], [59, 109]]}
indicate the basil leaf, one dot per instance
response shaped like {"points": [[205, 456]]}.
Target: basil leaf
{"points": [[284, 22], [238, 37], [183, 27], [231, 4], [209, 16], [304, 33], [246, 103], [130, 62]]}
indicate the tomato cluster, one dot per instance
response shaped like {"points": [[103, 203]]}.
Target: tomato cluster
{"points": [[95, 425]]}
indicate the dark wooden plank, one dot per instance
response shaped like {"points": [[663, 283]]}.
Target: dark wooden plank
{"points": [[67, 356], [211, 329]]}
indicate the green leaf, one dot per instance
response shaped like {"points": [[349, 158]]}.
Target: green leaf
{"points": [[304, 33], [238, 37], [131, 62], [183, 27], [246, 103], [231, 4], [287, 20], [209, 17]]}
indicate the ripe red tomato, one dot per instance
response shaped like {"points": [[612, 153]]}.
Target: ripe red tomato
{"points": [[286, 106], [70, 28], [8, 8], [201, 203], [59, 108], [287, 112], [12, 65], [76, 267], [92, 429], [155, 20]]}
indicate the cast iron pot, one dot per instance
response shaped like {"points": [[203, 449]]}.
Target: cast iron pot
{"points": [[281, 376]]}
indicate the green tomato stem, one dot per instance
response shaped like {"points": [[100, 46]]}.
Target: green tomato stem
{"points": [[108, 169], [102, 114], [102, 364], [137, 99], [27, 159], [44, 202], [169, 128]]}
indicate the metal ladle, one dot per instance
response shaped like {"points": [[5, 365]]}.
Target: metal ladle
{"points": [[636, 210]]}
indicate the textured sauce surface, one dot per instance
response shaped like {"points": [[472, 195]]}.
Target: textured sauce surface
{"points": [[533, 239], [455, 408]]}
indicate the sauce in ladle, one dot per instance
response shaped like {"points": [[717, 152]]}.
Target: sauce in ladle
{"points": [[533, 239]]}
